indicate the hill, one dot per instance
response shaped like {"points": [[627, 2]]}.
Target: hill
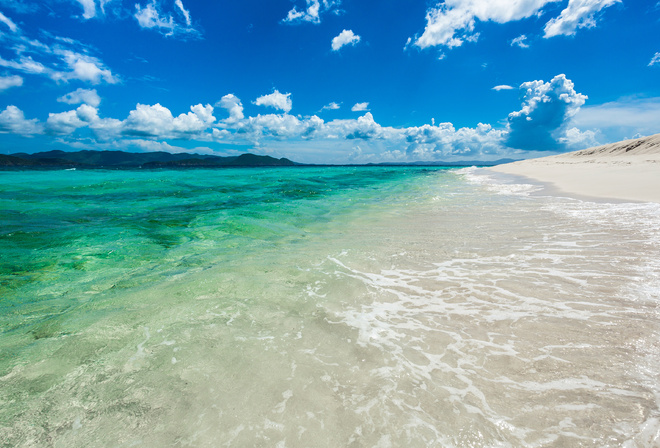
{"points": [[121, 159]]}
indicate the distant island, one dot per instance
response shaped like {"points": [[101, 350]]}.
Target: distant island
{"points": [[152, 160], [121, 159]]}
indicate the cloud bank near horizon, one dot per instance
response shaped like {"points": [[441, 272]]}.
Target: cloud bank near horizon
{"points": [[543, 124]]}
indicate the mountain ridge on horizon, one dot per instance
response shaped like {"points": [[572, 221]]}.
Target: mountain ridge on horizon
{"points": [[123, 159]]}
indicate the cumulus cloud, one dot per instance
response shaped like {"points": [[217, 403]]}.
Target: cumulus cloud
{"points": [[275, 125], [12, 120], [146, 121], [575, 139], [10, 81], [233, 105], [149, 120], [152, 124], [312, 12], [106, 129], [276, 100], [428, 142], [578, 14], [158, 121], [365, 128], [7, 21], [655, 59], [502, 87], [79, 96], [70, 121], [546, 109], [346, 37], [331, 106], [452, 22], [550, 118], [520, 42]]}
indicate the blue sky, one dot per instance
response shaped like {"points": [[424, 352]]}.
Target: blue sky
{"points": [[329, 81]]}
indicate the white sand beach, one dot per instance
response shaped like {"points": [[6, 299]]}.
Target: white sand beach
{"points": [[627, 170]]}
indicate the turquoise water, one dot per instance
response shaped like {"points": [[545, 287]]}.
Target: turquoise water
{"points": [[363, 306], [67, 236]]}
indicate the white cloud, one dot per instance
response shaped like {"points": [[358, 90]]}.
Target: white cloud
{"points": [[502, 87], [149, 120], [154, 124], [148, 17], [551, 118], [346, 37], [87, 113], [10, 81], [365, 128], [575, 139], [312, 12], [655, 59], [7, 21], [79, 96], [176, 22], [106, 129], [360, 107], [578, 14], [233, 105], [89, 8], [430, 142], [13, 120], [452, 22], [276, 100], [70, 121], [25, 64], [547, 107], [520, 42], [85, 68], [331, 106], [72, 64], [197, 120], [184, 11], [158, 121], [276, 125]]}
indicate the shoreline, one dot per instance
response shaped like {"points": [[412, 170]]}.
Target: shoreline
{"points": [[624, 171]]}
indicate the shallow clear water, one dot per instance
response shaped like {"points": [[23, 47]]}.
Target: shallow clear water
{"points": [[361, 307]]}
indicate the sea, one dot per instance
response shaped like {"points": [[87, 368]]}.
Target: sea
{"points": [[324, 307]]}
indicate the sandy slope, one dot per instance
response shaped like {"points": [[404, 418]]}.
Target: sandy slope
{"points": [[627, 170]]}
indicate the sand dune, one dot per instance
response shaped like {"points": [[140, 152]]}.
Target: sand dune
{"points": [[627, 170]]}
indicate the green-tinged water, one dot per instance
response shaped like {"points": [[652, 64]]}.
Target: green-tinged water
{"points": [[326, 307], [68, 236]]}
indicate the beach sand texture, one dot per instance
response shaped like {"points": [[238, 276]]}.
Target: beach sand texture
{"points": [[627, 170]]}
